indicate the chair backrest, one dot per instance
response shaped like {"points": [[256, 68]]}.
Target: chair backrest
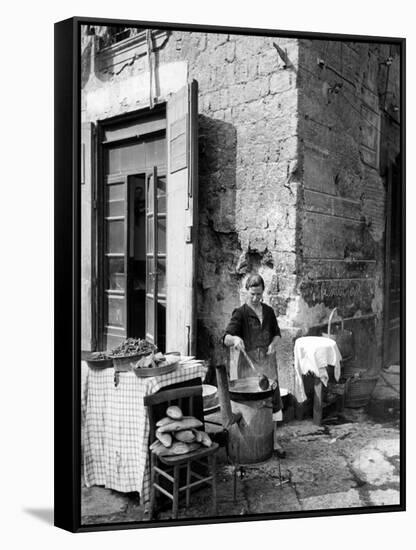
{"points": [[188, 399]]}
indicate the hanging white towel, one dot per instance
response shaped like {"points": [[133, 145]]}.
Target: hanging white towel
{"points": [[313, 354]]}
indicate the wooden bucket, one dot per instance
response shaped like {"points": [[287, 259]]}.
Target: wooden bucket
{"points": [[359, 391]]}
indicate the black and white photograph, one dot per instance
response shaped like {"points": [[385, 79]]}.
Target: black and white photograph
{"points": [[241, 227]]}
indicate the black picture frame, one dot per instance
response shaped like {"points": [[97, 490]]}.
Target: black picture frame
{"points": [[68, 168]]}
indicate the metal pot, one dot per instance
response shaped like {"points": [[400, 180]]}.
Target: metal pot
{"points": [[247, 389], [246, 412]]}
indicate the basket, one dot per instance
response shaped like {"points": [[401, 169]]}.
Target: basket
{"points": [[209, 396], [100, 363], [359, 391], [349, 369], [155, 371], [126, 362]]}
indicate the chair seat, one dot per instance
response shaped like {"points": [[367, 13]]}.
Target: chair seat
{"points": [[173, 460], [190, 401]]}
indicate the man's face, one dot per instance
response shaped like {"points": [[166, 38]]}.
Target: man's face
{"points": [[254, 295]]}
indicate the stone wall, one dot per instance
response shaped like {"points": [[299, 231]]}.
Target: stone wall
{"points": [[247, 158], [342, 208]]}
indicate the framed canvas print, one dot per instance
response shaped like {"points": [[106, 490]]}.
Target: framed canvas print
{"points": [[229, 229]]}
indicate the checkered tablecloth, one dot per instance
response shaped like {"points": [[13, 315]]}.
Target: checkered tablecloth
{"points": [[117, 426]]}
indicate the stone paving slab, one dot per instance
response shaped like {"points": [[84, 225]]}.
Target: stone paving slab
{"points": [[318, 465], [384, 497], [100, 505], [389, 447], [100, 501], [343, 499], [372, 467], [265, 496], [300, 428]]}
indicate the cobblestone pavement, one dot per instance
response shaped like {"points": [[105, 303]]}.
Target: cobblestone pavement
{"points": [[351, 464]]}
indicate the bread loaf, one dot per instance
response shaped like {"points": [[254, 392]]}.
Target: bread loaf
{"points": [[174, 412], [177, 448], [164, 438], [186, 423], [198, 436], [163, 421], [206, 440], [187, 436]]}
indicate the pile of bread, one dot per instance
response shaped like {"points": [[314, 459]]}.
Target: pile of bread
{"points": [[177, 434]]}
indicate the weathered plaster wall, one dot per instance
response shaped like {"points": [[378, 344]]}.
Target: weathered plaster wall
{"points": [[247, 159], [342, 207]]}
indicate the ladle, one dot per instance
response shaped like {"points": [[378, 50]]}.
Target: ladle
{"points": [[264, 383]]}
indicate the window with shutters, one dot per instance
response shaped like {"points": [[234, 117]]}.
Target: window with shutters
{"points": [[145, 219]]}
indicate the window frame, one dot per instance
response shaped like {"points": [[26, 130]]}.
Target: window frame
{"points": [[155, 121]]}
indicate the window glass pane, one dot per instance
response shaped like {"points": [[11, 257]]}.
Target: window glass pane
{"points": [[149, 235], [150, 194], [149, 276], [115, 270], [161, 195], [113, 164], [115, 311], [161, 274], [161, 150], [125, 158], [161, 235], [132, 157], [115, 236], [150, 318], [155, 152], [115, 208], [115, 191]]}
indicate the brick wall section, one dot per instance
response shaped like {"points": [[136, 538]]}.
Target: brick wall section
{"points": [[342, 210]]}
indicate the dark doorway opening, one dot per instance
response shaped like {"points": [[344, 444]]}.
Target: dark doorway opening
{"points": [[137, 261], [392, 302], [136, 300]]}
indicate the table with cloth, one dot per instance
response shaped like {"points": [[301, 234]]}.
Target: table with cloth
{"points": [[313, 354], [116, 428]]}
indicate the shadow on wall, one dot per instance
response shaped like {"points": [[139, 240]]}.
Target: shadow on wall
{"points": [[218, 247]]}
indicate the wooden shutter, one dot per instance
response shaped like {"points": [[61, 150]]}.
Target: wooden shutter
{"points": [[151, 258], [87, 205], [181, 230], [116, 239]]}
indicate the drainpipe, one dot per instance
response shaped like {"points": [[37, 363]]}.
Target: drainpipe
{"points": [[149, 55]]}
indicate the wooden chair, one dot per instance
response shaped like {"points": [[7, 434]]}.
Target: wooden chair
{"points": [[189, 399]]}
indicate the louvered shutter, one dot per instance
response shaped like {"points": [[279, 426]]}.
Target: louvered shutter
{"points": [[181, 233]]}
